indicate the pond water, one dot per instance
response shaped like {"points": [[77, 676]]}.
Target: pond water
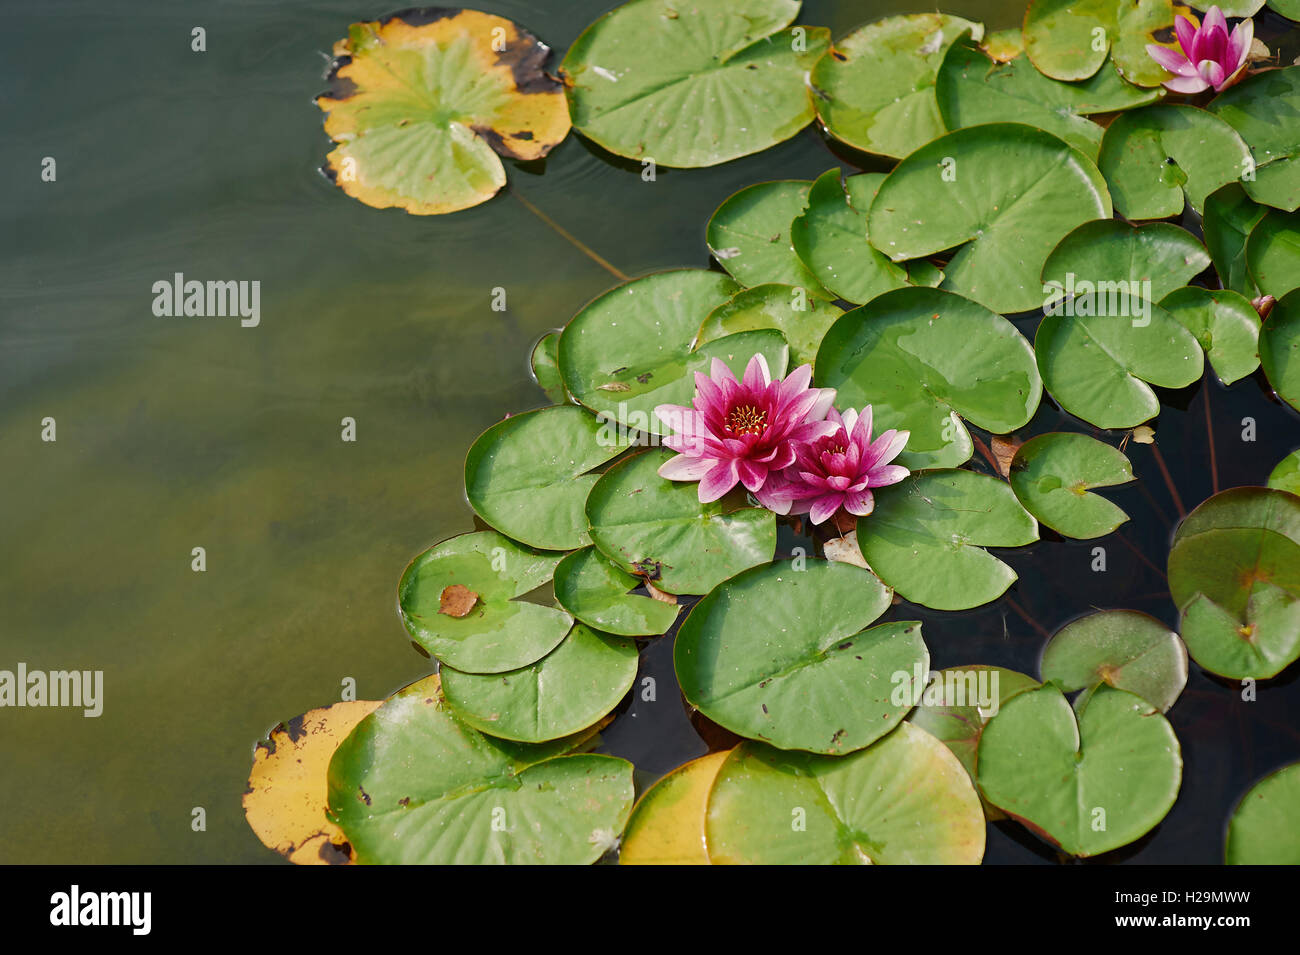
{"points": [[177, 433]]}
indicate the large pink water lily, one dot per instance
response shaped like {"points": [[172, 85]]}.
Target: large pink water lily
{"points": [[739, 432], [1209, 56], [838, 470]]}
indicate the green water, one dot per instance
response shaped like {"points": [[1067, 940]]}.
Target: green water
{"points": [[176, 433]]}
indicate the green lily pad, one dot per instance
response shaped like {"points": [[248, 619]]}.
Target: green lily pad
{"points": [[413, 784], [1121, 648], [1273, 253], [1233, 573], [1109, 253], [924, 272], [973, 90], [1090, 785], [545, 363], [1286, 476], [1052, 475], [830, 238], [958, 703], [750, 235], [693, 84], [499, 632], [1263, 109], [630, 349], [528, 476], [667, 824], [1288, 8], [1264, 828], [564, 692], [596, 592], [1241, 8], [921, 357], [781, 653], [904, 800], [800, 318], [421, 104], [658, 529], [1226, 325], [1008, 194], [1279, 348], [876, 85], [1156, 157], [1230, 216], [1061, 35], [926, 536], [1098, 367]]}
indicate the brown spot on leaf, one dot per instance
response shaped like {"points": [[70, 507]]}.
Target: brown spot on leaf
{"points": [[457, 600]]}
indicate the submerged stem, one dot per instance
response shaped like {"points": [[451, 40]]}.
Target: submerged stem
{"points": [[571, 238]]}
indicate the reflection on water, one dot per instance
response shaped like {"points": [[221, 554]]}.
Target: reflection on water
{"points": [[181, 433]]}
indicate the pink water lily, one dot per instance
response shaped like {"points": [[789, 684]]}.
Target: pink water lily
{"points": [[1209, 57], [739, 432], [838, 470]]}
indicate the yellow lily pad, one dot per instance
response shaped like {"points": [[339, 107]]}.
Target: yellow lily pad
{"points": [[424, 103]]}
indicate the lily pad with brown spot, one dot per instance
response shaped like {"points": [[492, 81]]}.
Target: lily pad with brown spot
{"points": [[424, 103]]}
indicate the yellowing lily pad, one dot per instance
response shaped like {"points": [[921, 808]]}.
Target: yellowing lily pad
{"points": [[424, 103], [286, 797], [667, 824]]}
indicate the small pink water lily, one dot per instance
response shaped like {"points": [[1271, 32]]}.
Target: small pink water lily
{"points": [[838, 470], [1209, 57], [739, 432]]}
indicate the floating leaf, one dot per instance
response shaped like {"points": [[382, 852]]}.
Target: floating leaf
{"points": [[1097, 366], [1156, 157], [782, 654], [921, 357], [1234, 573], [1008, 194], [413, 784], [658, 529], [1273, 253], [693, 84], [876, 86], [667, 824], [1120, 648], [972, 91], [1061, 35], [500, 633], [904, 800], [596, 592], [528, 476], [545, 363], [926, 538], [1279, 349], [1230, 216], [1263, 109], [1089, 786], [1288, 8], [1225, 324], [564, 692], [457, 601], [800, 318], [750, 235], [1286, 476], [1052, 475], [957, 705], [1112, 256], [1264, 828], [285, 799], [830, 238], [638, 337], [422, 102]]}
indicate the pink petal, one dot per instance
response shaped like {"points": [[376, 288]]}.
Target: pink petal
{"points": [[797, 380], [825, 507], [861, 435], [1214, 18], [756, 373], [888, 474], [860, 503], [720, 479], [885, 448], [825, 400], [848, 420], [1186, 84], [1239, 43], [1170, 60], [771, 497], [683, 467], [1212, 72], [752, 475], [720, 373], [1186, 31]]}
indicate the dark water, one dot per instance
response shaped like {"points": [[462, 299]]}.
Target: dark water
{"points": [[180, 433]]}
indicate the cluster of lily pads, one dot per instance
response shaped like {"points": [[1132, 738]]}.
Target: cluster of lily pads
{"points": [[907, 292]]}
